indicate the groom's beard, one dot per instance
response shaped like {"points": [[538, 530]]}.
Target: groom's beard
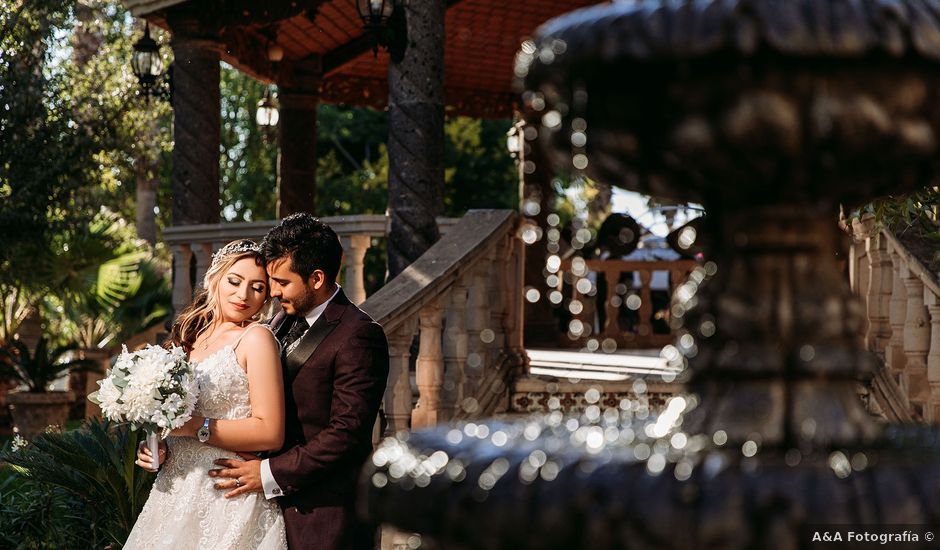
{"points": [[301, 304]]}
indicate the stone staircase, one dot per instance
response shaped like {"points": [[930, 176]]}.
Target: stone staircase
{"points": [[901, 297], [571, 381]]}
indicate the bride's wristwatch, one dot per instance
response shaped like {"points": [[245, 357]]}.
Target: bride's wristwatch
{"points": [[203, 433]]}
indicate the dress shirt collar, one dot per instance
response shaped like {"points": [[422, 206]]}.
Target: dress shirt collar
{"points": [[315, 313]]}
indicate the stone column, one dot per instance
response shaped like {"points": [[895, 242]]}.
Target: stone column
{"points": [[297, 138], [932, 414], [202, 252], [879, 294], [354, 251], [429, 369], [196, 123], [478, 315], [398, 398], [916, 344], [415, 131], [645, 327], [455, 350], [500, 294], [182, 283], [515, 307], [897, 312]]}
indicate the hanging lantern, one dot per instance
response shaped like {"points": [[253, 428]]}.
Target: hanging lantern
{"points": [[267, 114], [147, 64]]}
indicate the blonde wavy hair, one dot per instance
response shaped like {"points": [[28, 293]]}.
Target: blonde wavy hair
{"points": [[205, 309]]}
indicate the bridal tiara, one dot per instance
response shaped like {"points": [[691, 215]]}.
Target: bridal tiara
{"points": [[236, 247]]}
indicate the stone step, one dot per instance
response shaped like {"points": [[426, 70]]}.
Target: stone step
{"points": [[572, 381]]}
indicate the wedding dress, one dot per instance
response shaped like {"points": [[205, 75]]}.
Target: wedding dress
{"points": [[184, 510]]}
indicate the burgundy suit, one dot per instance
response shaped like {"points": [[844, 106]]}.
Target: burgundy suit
{"points": [[334, 380]]}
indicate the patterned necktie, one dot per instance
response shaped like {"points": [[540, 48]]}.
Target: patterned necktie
{"points": [[294, 334]]}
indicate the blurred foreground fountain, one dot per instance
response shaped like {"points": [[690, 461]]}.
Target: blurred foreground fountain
{"points": [[771, 114]]}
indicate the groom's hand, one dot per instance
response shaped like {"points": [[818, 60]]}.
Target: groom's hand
{"points": [[247, 472]]}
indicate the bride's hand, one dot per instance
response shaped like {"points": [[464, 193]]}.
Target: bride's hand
{"points": [[145, 457]]}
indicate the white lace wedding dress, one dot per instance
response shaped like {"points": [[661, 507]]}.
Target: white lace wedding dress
{"points": [[184, 510]]}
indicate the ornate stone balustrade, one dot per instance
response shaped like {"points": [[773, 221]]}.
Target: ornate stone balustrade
{"points": [[193, 245], [463, 301], [902, 302], [626, 301]]}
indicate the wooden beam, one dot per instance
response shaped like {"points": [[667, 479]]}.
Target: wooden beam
{"points": [[339, 56], [251, 13]]}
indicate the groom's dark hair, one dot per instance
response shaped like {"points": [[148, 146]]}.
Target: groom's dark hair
{"points": [[310, 244]]}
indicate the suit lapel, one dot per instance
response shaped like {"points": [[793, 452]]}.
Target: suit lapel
{"points": [[279, 325], [316, 334]]}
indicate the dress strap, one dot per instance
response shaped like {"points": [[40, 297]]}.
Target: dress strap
{"points": [[249, 327]]}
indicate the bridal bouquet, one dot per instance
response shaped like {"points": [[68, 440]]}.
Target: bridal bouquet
{"points": [[154, 389]]}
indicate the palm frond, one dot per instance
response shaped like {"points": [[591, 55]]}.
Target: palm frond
{"points": [[96, 464], [41, 367], [119, 279]]}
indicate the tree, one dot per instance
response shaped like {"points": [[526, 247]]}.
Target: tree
{"points": [[69, 125], [50, 147], [249, 157]]}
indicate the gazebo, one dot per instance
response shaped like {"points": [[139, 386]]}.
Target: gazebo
{"points": [[319, 51]]}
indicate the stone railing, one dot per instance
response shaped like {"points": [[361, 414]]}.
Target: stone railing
{"points": [[902, 302], [463, 301], [617, 328], [192, 247]]}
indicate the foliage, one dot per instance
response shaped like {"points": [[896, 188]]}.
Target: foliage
{"points": [[52, 133], [249, 152], [42, 367], [914, 218], [903, 212], [74, 136], [94, 465], [352, 163], [34, 516], [101, 45], [16, 304], [109, 285], [480, 173]]}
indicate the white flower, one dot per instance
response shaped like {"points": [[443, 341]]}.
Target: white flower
{"points": [[108, 396], [18, 443], [148, 388]]}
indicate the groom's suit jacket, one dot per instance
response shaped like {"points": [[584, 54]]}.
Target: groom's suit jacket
{"points": [[334, 380]]}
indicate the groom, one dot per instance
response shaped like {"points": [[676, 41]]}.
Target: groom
{"points": [[335, 363]]}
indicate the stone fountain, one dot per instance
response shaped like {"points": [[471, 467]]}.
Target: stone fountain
{"points": [[770, 113]]}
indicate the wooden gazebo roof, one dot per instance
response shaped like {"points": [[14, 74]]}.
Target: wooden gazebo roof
{"points": [[481, 40]]}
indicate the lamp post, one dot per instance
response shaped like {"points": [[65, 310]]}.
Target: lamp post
{"points": [[147, 64]]}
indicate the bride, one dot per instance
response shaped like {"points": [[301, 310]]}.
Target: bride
{"points": [[240, 407]]}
